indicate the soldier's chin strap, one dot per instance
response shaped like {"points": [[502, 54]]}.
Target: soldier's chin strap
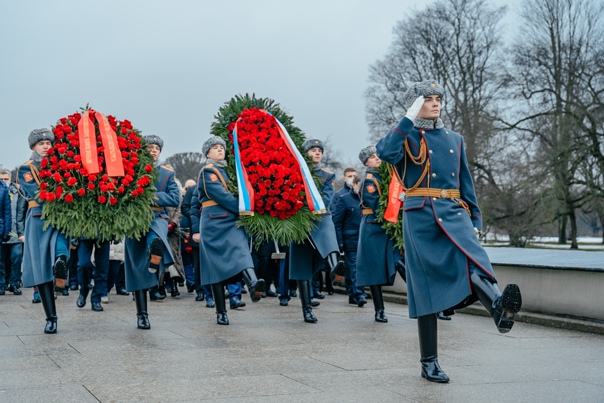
{"points": [[332, 260]]}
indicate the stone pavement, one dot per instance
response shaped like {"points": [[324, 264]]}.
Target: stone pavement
{"points": [[268, 354]]}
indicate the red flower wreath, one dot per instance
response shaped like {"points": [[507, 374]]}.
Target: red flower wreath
{"points": [[272, 170], [96, 205]]}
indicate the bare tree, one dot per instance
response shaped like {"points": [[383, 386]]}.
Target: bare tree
{"points": [[552, 70], [186, 165], [332, 158]]}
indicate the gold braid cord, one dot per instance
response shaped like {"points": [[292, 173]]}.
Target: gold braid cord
{"points": [[419, 159]]}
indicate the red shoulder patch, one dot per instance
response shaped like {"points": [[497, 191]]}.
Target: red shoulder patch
{"points": [[371, 189], [28, 177], [213, 177]]}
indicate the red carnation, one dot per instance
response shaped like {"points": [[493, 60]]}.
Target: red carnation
{"points": [[102, 199], [81, 192], [113, 200], [148, 168], [72, 181], [68, 198]]}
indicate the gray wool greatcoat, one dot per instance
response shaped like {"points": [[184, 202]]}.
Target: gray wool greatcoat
{"points": [[41, 247], [323, 236], [375, 251], [136, 252], [223, 247], [441, 248]]}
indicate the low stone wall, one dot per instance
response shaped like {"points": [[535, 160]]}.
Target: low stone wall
{"points": [[556, 291]]}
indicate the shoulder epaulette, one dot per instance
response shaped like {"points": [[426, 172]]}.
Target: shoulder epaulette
{"points": [[369, 176], [325, 170], [209, 166], [29, 162], [169, 168]]}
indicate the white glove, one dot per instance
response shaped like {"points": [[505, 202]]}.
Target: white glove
{"points": [[477, 232], [414, 109]]}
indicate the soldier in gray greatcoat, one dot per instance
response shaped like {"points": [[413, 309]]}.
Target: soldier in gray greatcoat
{"points": [[376, 254], [225, 256], [306, 258], [144, 257], [446, 267], [45, 251]]}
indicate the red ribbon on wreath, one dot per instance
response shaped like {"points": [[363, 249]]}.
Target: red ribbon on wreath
{"points": [[88, 150], [394, 202]]}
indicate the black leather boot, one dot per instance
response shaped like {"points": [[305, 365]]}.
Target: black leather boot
{"points": [[140, 296], [441, 315], [255, 286], [502, 306], [156, 251], [60, 271], [174, 291], [46, 291], [221, 312], [304, 293], [335, 268], [155, 295], [428, 347], [378, 303], [400, 268]]}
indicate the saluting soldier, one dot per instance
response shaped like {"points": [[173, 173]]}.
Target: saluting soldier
{"points": [[144, 257], [307, 258], [45, 251], [225, 256], [376, 255], [447, 268]]}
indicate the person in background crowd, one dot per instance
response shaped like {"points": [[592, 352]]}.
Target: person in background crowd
{"points": [[220, 236], [263, 265], [116, 270], [347, 222], [72, 265], [12, 247], [185, 225], [308, 258], [348, 175], [144, 257], [99, 272], [45, 251], [174, 274], [446, 266]]}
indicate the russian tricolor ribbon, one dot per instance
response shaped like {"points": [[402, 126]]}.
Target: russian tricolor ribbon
{"points": [[246, 192]]}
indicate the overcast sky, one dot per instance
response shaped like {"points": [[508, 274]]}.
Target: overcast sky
{"points": [[167, 66]]}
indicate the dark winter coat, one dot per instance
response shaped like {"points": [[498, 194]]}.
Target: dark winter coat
{"points": [[136, 252], [375, 253], [224, 247], [439, 236]]}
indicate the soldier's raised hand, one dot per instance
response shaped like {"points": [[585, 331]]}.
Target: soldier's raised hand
{"points": [[414, 109]]}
